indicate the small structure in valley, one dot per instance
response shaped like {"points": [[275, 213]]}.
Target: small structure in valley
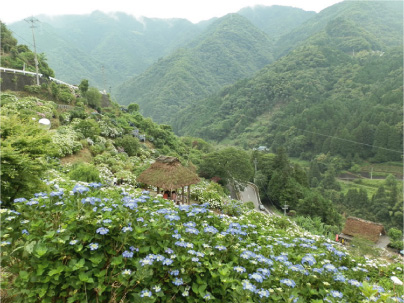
{"points": [[366, 229], [167, 173]]}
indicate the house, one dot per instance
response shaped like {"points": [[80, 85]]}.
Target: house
{"points": [[366, 229]]}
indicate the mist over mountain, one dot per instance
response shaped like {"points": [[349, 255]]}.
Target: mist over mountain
{"points": [[231, 48], [106, 49]]}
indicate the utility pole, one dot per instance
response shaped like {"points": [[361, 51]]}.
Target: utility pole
{"points": [[32, 20]]}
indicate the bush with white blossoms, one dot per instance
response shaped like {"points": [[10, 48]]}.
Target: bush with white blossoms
{"points": [[109, 130], [66, 140], [93, 244], [29, 106]]}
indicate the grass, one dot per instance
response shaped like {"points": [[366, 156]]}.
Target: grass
{"points": [[83, 155]]}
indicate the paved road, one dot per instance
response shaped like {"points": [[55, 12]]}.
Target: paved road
{"points": [[249, 194]]}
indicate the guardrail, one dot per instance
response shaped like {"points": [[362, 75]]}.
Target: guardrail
{"points": [[24, 72]]}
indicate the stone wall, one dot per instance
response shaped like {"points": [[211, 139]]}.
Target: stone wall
{"points": [[17, 82]]}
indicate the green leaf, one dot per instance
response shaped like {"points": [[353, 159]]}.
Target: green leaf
{"points": [[49, 235], [202, 288], [83, 277], [96, 259], [144, 249], [29, 247], [58, 270], [40, 250], [23, 275], [78, 265], [116, 260]]}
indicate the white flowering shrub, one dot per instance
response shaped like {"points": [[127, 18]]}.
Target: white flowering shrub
{"points": [[67, 141], [109, 130], [29, 106]]}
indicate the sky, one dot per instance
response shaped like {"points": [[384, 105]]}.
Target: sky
{"points": [[193, 10]]}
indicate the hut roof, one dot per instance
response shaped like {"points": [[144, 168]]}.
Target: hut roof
{"points": [[367, 229], [168, 173]]}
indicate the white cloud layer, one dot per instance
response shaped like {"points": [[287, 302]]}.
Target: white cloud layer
{"points": [[193, 10]]}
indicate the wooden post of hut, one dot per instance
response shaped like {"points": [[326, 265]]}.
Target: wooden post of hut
{"points": [[189, 194]]}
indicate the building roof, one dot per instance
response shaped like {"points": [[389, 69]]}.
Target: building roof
{"points": [[168, 173], [366, 229]]}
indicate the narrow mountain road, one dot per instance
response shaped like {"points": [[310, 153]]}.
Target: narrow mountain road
{"points": [[250, 193]]}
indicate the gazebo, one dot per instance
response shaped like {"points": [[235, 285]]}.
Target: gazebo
{"points": [[167, 173]]}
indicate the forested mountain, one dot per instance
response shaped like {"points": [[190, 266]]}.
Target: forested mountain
{"points": [[381, 19], [106, 49], [344, 84], [229, 50], [109, 49], [276, 20]]}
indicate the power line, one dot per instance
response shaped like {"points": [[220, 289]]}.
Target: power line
{"points": [[337, 138]]}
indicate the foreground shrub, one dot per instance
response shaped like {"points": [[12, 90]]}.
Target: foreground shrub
{"points": [[84, 172], [99, 245]]}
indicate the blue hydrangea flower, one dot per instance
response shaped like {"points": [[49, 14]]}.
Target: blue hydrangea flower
{"points": [[336, 294], [248, 286], [145, 293], [102, 231], [257, 277], [192, 230], [220, 247], [168, 250], [80, 189], [355, 283], [309, 259], [167, 261], [190, 224], [126, 272], [339, 278], [288, 282], [175, 272], [25, 232], [264, 271], [127, 228], [73, 242], [127, 254], [132, 248], [330, 267], [208, 296], [378, 288], [18, 200], [93, 246], [146, 261], [178, 281], [157, 288], [210, 229], [263, 293]]}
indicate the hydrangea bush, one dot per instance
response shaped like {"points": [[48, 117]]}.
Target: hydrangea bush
{"points": [[31, 106], [67, 141], [90, 243]]}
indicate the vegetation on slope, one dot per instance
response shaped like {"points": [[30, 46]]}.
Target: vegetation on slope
{"points": [[231, 48]]}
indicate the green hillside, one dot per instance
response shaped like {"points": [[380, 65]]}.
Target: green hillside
{"points": [[382, 19], [276, 20], [318, 98], [230, 49], [105, 49]]}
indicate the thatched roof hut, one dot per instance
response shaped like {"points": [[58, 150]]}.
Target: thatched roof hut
{"points": [[366, 229], [168, 173]]}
